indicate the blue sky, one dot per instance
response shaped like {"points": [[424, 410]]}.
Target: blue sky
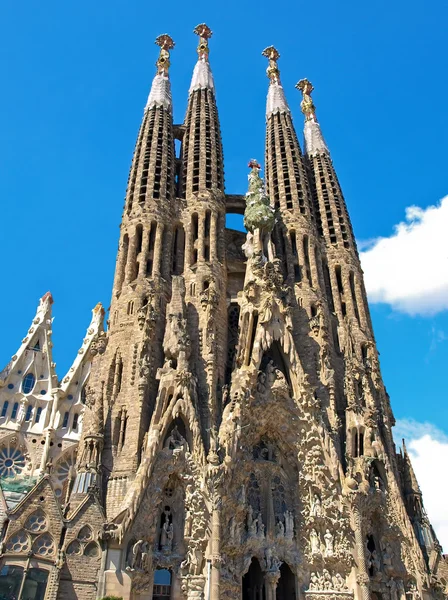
{"points": [[76, 78]]}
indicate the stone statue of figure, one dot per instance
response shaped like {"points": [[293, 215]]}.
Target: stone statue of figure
{"points": [[314, 542], [314, 581], [260, 526], [393, 587], [188, 523], [316, 506], [387, 557], [338, 582], [413, 592], [175, 440], [270, 372], [375, 561], [145, 559], [253, 527], [289, 525], [280, 529], [329, 540], [328, 583], [136, 555], [166, 539]]}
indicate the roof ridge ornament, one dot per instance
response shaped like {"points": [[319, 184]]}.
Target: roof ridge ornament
{"points": [[307, 105], [205, 33], [166, 43], [273, 72]]}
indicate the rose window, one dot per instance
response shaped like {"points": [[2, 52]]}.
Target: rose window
{"points": [[12, 461], [18, 543], [61, 473], [36, 522], [44, 545]]}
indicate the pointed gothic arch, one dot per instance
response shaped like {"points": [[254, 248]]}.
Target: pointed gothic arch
{"points": [[253, 587], [286, 587]]}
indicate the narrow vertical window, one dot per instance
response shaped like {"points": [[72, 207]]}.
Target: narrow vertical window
{"points": [[306, 254], [5, 408], [75, 421], [29, 412], [328, 288], [15, 408], [353, 293], [38, 414], [65, 420]]}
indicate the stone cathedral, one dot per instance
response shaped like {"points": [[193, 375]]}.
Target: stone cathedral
{"points": [[228, 435]]}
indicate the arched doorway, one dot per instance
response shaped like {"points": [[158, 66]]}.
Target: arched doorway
{"points": [[286, 588], [253, 582]]}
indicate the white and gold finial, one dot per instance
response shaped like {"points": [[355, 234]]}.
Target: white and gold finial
{"points": [[160, 94], [166, 43], [307, 104], [272, 54], [314, 140], [205, 33], [202, 75], [276, 101]]}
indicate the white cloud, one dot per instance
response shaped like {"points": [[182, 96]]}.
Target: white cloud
{"points": [[428, 448], [409, 269]]}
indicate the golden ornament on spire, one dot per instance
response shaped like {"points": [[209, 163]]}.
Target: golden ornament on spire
{"points": [[163, 62], [205, 33], [307, 104], [272, 71]]}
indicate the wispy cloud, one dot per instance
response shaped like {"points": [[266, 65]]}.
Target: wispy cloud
{"points": [[409, 269], [428, 448]]}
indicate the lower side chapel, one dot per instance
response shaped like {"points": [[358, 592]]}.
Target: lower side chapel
{"points": [[226, 434]]}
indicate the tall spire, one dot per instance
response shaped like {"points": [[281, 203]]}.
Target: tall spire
{"points": [[202, 156], [314, 140], [286, 181], [202, 74], [160, 94], [276, 101], [152, 171]]}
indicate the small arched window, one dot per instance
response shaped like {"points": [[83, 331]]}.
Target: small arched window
{"points": [[15, 408], [65, 420], [38, 414], [28, 383], [29, 412], [75, 421], [5, 408]]}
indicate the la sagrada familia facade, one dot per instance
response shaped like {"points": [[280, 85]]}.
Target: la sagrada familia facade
{"points": [[229, 435]]}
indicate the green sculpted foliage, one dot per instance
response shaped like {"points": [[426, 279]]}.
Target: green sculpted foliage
{"points": [[258, 213]]}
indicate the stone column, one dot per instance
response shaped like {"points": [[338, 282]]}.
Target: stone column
{"points": [[201, 233], [271, 580], [157, 264], [216, 557], [131, 258], [144, 252], [362, 576], [213, 237]]}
